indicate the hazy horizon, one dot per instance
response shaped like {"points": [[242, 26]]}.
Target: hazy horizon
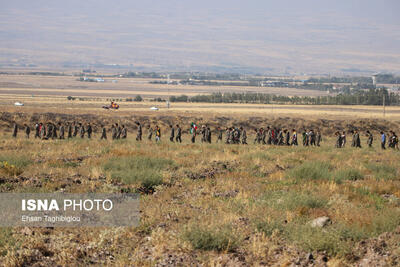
{"points": [[219, 36]]}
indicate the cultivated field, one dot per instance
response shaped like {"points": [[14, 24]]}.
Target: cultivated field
{"points": [[208, 204], [29, 85]]}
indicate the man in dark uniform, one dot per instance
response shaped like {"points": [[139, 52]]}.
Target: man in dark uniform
{"points": [[256, 137], [311, 135], [27, 131], [54, 135], [304, 134], [124, 132], [319, 137], [338, 140], [172, 135], [103, 133], [49, 133], [220, 133], [263, 133], [118, 131], [69, 130], [244, 136], [228, 135], [269, 133], [194, 133], [75, 129], [294, 138], [357, 138], [89, 131], [208, 134], [203, 133], [150, 132], [37, 130], [287, 137], [15, 130], [178, 134], [280, 137], [139, 132], [61, 129], [231, 135], [81, 130], [370, 139], [113, 132], [353, 141], [343, 139], [236, 136]]}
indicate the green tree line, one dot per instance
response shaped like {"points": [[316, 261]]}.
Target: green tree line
{"points": [[367, 97]]}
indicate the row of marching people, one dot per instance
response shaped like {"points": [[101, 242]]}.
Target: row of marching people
{"points": [[277, 136], [49, 130], [390, 139], [233, 135]]}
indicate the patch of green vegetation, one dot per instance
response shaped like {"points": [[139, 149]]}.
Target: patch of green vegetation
{"points": [[141, 170], [19, 161], [385, 221], [262, 155], [256, 170], [71, 164], [336, 239], [144, 228], [311, 170], [6, 240], [212, 238], [269, 227], [329, 239], [6, 187], [14, 165], [61, 164], [382, 171], [283, 200], [347, 174], [293, 160]]}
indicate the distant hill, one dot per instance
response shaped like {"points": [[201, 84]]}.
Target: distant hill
{"points": [[217, 36]]}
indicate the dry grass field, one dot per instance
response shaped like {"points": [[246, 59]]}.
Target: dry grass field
{"points": [[213, 205], [92, 105], [208, 204], [29, 85]]}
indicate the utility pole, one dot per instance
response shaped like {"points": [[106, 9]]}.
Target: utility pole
{"points": [[383, 100], [168, 82]]}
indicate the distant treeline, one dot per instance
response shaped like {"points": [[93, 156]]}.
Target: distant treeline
{"points": [[380, 78], [255, 80], [369, 97]]}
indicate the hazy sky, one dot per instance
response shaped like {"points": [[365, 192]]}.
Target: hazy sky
{"points": [[221, 35]]}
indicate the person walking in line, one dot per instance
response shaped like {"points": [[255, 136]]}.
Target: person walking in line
{"points": [[89, 131], [172, 135], [124, 132], [69, 130], [61, 130], [27, 131], [383, 140], [37, 130], [81, 130], [15, 130], [370, 139], [150, 132], [178, 134], [103, 133], [139, 132], [158, 134]]}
